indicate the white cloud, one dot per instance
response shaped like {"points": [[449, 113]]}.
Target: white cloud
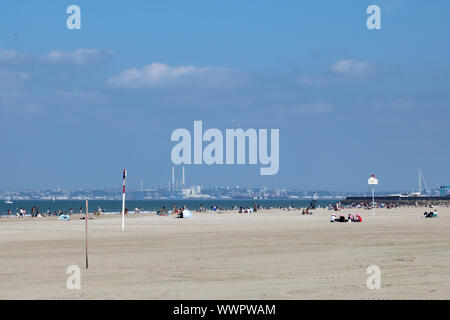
{"points": [[157, 75], [351, 67], [78, 57], [11, 56], [341, 71]]}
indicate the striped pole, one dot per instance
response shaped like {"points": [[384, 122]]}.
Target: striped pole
{"points": [[87, 219], [123, 198]]}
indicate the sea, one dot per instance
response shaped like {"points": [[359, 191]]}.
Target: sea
{"points": [[149, 206]]}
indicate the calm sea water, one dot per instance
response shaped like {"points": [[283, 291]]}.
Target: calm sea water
{"points": [[147, 205]]}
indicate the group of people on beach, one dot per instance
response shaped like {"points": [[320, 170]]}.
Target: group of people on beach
{"points": [[36, 213], [430, 214], [350, 218], [397, 204], [181, 212]]}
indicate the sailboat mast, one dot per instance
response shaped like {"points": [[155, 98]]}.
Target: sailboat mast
{"points": [[419, 181]]}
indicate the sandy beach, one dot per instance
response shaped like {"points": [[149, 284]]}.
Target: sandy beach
{"points": [[265, 255]]}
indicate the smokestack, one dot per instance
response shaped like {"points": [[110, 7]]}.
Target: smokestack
{"points": [[173, 177], [183, 182]]}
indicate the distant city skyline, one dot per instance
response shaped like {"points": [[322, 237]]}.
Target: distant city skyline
{"points": [[189, 193]]}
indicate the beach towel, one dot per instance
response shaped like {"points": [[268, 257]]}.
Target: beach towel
{"points": [[64, 217]]}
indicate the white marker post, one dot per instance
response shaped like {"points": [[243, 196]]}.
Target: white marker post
{"points": [[123, 198], [373, 181]]}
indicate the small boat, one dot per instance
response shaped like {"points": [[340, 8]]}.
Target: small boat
{"points": [[9, 201]]}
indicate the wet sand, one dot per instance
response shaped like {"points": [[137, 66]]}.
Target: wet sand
{"points": [[265, 255]]}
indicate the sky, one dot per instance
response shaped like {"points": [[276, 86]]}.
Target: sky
{"points": [[78, 106]]}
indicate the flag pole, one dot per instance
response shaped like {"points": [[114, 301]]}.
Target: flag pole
{"points": [[87, 219], [123, 198], [373, 181], [373, 200]]}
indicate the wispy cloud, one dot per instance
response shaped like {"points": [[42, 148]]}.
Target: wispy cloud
{"points": [[158, 75], [80, 57], [13, 96], [17, 100], [341, 71], [352, 67], [10, 79], [11, 56]]}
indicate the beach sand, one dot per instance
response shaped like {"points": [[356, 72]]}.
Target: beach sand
{"points": [[265, 255]]}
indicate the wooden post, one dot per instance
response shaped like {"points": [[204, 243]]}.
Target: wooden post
{"points": [[87, 219]]}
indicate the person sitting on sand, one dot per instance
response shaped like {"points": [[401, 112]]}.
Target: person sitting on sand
{"points": [[357, 218], [427, 214], [162, 212], [342, 218], [333, 218]]}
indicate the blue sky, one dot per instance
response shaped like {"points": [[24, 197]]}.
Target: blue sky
{"points": [[348, 101]]}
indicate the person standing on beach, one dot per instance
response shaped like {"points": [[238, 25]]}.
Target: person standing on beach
{"points": [[9, 212]]}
